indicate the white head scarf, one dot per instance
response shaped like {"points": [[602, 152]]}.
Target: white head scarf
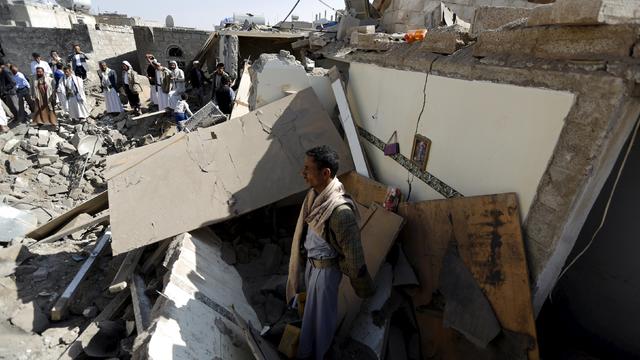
{"points": [[128, 65]]}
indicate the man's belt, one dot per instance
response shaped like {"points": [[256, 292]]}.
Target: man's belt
{"points": [[323, 263]]}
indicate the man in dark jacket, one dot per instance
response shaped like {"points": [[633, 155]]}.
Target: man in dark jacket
{"points": [[198, 80], [218, 79], [78, 62], [8, 89], [225, 97]]}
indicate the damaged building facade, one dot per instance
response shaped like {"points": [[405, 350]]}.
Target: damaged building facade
{"points": [[493, 162]]}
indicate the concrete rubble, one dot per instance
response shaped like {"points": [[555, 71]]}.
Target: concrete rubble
{"points": [[122, 238]]}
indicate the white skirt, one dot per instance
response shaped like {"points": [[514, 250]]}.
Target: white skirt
{"points": [[112, 100], [77, 109], [163, 100], [3, 115], [153, 95], [174, 97], [62, 100]]}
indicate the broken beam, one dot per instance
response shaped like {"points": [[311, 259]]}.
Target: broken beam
{"points": [[95, 221], [347, 123], [60, 308], [148, 115], [127, 267], [141, 303]]}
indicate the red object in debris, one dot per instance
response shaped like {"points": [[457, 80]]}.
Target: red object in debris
{"points": [[415, 35]]}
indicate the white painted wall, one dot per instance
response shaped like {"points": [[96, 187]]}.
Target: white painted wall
{"points": [[487, 137]]}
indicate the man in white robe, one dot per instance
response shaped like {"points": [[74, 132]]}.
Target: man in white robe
{"points": [[3, 119], [108, 85], [163, 80], [178, 82], [76, 98]]}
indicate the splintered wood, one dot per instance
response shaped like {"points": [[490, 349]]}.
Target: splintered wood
{"points": [[489, 240]]}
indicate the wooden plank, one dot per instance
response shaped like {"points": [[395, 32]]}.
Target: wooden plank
{"points": [[102, 219], [92, 206], [364, 190], [60, 308], [141, 303], [151, 114], [487, 230], [127, 267], [112, 308], [156, 257], [261, 349], [348, 125]]}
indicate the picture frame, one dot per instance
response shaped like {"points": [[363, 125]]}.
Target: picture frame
{"points": [[420, 151]]}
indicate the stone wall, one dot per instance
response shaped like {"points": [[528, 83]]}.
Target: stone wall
{"points": [[159, 42], [102, 42], [403, 15]]}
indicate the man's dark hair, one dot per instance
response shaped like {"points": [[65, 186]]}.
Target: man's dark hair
{"points": [[52, 51], [66, 67], [59, 66], [184, 96], [325, 157], [220, 65], [35, 55]]}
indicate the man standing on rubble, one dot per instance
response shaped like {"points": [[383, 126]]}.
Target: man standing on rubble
{"points": [[328, 224], [198, 79], [218, 80], [8, 89]]}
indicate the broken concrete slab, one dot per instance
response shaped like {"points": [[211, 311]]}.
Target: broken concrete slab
{"points": [[493, 17], [273, 76], [14, 222], [78, 220], [199, 293], [586, 12], [10, 146], [241, 103], [446, 40], [560, 43], [242, 176], [17, 164], [30, 318]]}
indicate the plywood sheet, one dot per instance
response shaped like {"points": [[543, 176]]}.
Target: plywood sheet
{"points": [[364, 190], [489, 238], [216, 173]]}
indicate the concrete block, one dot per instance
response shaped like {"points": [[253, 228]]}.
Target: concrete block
{"points": [[18, 165], [30, 318], [446, 40], [10, 146], [490, 18], [562, 43], [586, 12]]}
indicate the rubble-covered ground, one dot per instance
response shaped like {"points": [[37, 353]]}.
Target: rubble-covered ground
{"points": [[44, 175]]}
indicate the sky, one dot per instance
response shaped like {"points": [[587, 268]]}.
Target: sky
{"points": [[204, 14]]}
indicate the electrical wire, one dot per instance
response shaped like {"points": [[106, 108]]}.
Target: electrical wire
{"points": [[293, 8], [327, 5], [606, 208]]}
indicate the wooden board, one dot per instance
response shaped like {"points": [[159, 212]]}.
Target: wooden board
{"points": [[98, 220], [364, 190], [489, 237], [92, 206], [121, 280]]}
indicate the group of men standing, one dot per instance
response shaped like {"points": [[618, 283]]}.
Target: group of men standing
{"points": [[52, 84]]}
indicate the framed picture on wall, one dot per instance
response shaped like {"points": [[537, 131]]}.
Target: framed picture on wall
{"points": [[420, 151]]}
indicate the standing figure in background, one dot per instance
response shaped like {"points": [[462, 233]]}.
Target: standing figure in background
{"points": [[8, 89], [178, 84], [58, 83], [43, 93], [181, 112], [38, 62], [76, 98], [108, 86], [163, 80], [24, 93], [198, 80], [151, 75], [225, 97], [131, 86], [3, 120], [55, 60], [218, 79], [78, 62]]}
